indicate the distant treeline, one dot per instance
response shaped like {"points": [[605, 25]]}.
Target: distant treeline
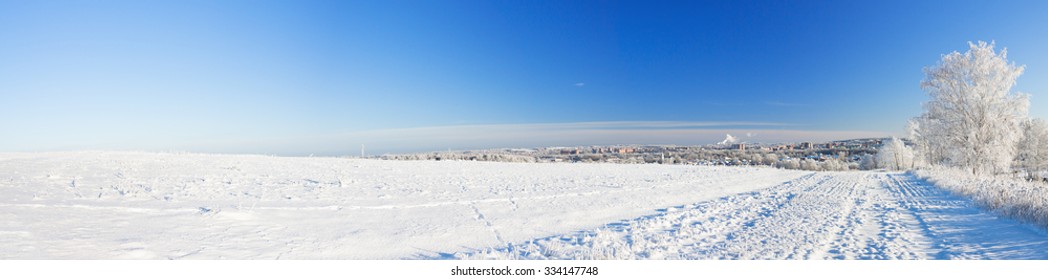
{"points": [[809, 159]]}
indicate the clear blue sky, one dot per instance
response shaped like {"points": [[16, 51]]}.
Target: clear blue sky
{"points": [[302, 77]]}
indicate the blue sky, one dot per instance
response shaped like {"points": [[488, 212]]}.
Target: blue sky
{"points": [[323, 77]]}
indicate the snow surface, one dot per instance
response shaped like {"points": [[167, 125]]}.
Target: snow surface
{"points": [[825, 215], [107, 205], [95, 205], [1003, 194]]}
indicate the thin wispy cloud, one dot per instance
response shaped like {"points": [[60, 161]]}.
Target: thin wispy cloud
{"points": [[529, 135], [580, 84], [608, 125]]}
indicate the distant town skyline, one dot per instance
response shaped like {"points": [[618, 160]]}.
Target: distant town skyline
{"points": [[325, 77]]}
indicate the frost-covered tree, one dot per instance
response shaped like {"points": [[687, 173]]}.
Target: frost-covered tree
{"points": [[1032, 155], [895, 155], [972, 119], [921, 153], [770, 159], [810, 164], [789, 164], [868, 162], [834, 165]]}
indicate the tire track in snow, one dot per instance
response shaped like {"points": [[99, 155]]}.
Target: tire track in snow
{"points": [[876, 228], [701, 229], [802, 228], [825, 215]]}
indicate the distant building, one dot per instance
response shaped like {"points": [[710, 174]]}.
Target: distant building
{"points": [[570, 151], [612, 150], [739, 146]]}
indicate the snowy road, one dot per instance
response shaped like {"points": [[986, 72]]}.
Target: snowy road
{"points": [[825, 215], [95, 205]]}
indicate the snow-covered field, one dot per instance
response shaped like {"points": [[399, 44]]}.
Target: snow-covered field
{"points": [[106, 205], [137, 205]]}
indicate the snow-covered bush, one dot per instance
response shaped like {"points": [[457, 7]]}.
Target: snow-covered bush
{"points": [[868, 162], [895, 155], [972, 119], [1033, 149], [834, 165], [1023, 200], [791, 163], [770, 159], [809, 164]]}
